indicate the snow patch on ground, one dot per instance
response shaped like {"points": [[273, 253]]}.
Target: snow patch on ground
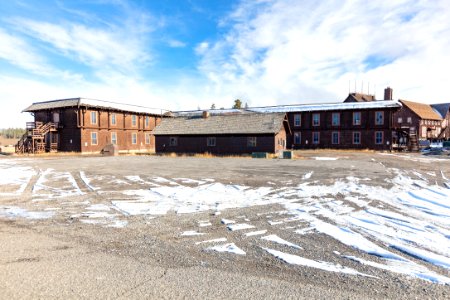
{"points": [[231, 248], [240, 226], [276, 239]]}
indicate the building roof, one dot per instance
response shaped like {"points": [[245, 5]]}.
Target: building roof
{"points": [[212, 112], [253, 123], [359, 97], [424, 111], [441, 108], [328, 106], [85, 102]]}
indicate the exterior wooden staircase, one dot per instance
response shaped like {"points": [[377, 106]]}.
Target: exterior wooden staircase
{"points": [[37, 138], [413, 143]]}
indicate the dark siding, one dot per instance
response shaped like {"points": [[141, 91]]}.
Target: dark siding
{"points": [[225, 144]]}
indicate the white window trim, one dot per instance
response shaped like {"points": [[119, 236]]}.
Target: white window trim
{"points": [[353, 137], [338, 119], [318, 137], [299, 120], [92, 139], [318, 119], [359, 120], [113, 119], [133, 120], [338, 137], [147, 138], [112, 140], [382, 138], [382, 118], [251, 141], [299, 134], [132, 136], [94, 113]]}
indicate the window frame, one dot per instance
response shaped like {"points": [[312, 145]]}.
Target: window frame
{"points": [[211, 141], [94, 118], [133, 120], [356, 121], [134, 138], [338, 119], [314, 135], [147, 121], [333, 133], [94, 139], [113, 121], [298, 117], [173, 141], [356, 133], [147, 138], [381, 113], [251, 141], [409, 120], [400, 120], [114, 140], [314, 123], [381, 141], [298, 135]]}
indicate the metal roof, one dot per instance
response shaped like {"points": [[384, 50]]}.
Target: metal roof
{"points": [[441, 108], [252, 123], [328, 106], [85, 102]]}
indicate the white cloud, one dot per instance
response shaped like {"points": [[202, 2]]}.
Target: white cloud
{"points": [[291, 51], [176, 43]]}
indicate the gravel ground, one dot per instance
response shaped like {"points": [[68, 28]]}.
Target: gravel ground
{"points": [[63, 257]]}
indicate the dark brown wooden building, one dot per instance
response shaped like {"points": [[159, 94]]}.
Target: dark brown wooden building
{"points": [[223, 134], [349, 125], [444, 111], [88, 125]]}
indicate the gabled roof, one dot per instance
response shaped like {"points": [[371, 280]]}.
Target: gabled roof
{"points": [[424, 111], [212, 112], [441, 108], [359, 97], [85, 102], [253, 123], [328, 106]]}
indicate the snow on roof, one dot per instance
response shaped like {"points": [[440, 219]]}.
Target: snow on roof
{"points": [[94, 103], [328, 106]]}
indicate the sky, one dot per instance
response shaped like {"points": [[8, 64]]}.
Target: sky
{"points": [[186, 55]]}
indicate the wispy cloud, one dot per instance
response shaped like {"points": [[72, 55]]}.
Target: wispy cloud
{"points": [[292, 51]]}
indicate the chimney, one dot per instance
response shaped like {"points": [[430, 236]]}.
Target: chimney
{"points": [[388, 93], [205, 114]]}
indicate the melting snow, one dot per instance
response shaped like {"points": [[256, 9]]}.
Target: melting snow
{"points": [[231, 248], [241, 226], [298, 260], [276, 239]]}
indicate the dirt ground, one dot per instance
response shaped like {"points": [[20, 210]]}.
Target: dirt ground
{"points": [[63, 257]]}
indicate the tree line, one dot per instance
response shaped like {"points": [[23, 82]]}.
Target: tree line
{"points": [[12, 133]]}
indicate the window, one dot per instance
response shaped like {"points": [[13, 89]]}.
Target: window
{"points": [[297, 120], [251, 141], [316, 119], [335, 138], [336, 119], [211, 141], [134, 138], [356, 137], [133, 120], [378, 137], [400, 120], [94, 138], [147, 138], [409, 120], [357, 118], [297, 138], [316, 137], [93, 117], [173, 141], [147, 121], [113, 119], [113, 138], [379, 117]]}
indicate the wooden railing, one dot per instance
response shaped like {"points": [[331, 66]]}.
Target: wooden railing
{"points": [[33, 141]]}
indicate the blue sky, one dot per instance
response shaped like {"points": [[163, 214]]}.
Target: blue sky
{"points": [[183, 55]]}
